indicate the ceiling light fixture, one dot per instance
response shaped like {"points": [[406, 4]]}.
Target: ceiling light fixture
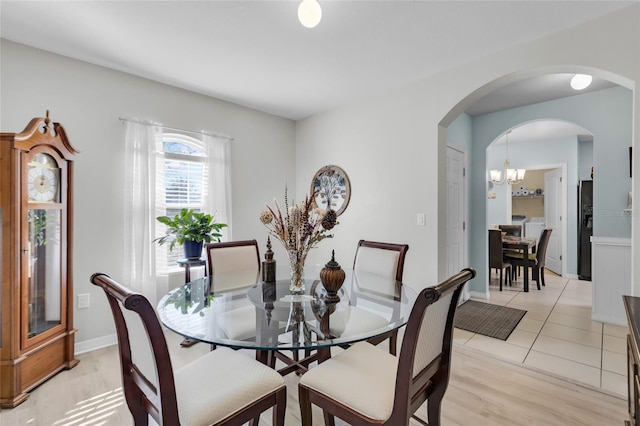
{"points": [[309, 13], [511, 176], [580, 81]]}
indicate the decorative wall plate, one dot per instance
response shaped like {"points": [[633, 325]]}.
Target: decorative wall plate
{"points": [[331, 189]]}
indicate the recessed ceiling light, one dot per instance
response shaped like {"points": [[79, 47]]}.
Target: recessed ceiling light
{"points": [[581, 81], [309, 13]]}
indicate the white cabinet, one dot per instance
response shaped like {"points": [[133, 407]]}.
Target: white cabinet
{"points": [[610, 278]]}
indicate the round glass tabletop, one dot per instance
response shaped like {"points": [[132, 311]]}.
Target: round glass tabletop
{"points": [[238, 310]]}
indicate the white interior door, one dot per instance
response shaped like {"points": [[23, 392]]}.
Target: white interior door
{"points": [[455, 212], [553, 218]]}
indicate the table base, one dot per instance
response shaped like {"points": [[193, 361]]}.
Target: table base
{"points": [[293, 364]]}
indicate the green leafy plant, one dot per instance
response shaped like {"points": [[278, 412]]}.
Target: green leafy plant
{"points": [[189, 225]]}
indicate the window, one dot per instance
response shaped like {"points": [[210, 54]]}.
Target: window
{"points": [[185, 180]]}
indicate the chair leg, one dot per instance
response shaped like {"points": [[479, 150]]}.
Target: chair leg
{"points": [[329, 420], [280, 408], [435, 400], [393, 342], [501, 279], [305, 406], [542, 276]]}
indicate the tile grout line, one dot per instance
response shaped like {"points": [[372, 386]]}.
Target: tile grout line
{"points": [[545, 322]]}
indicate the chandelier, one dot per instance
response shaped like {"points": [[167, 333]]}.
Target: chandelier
{"points": [[511, 176]]}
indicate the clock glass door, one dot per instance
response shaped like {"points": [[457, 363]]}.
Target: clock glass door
{"points": [[44, 273]]}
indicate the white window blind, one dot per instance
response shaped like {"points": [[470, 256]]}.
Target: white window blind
{"points": [[185, 183]]}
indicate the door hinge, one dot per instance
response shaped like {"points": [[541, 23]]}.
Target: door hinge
{"points": [[464, 225], [464, 171]]}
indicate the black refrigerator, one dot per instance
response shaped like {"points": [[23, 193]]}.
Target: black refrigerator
{"points": [[585, 228]]}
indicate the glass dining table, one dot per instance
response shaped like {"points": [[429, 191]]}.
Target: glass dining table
{"points": [[238, 310]]}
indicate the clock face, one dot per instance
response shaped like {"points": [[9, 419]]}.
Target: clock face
{"points": [[42, 179]]}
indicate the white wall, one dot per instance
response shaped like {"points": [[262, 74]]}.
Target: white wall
{"points": [[393, 146], [88, 100]]}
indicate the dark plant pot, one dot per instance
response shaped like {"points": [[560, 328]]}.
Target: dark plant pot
{"points": [[193, 249]]}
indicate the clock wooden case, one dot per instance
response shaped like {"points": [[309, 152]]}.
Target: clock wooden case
{"points": [[36, 293]]}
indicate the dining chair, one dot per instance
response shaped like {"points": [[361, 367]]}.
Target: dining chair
{"points": [[384, 389], [382, 259], [515, 231], [241, 259], [497, 258], [239, 263], [536, 260], [223, 387]]}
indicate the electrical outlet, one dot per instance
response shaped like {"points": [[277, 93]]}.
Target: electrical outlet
{"points": [[421, 219], [83, 301]]}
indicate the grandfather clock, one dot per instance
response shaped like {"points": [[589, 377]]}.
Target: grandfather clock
{"points": [[36, 293]]}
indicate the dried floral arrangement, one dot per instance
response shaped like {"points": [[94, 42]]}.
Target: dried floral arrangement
{"points": [[301, 227]]}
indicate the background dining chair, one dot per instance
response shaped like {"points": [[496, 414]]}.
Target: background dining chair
{"points": [[382, 259], [238, 260], [239, 263], [514, 231], [224, 387], [497, 258], [536, 260], [384, 389]]}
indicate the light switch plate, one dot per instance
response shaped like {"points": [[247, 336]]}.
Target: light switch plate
{"points": [[83, 301], [421, 219]]}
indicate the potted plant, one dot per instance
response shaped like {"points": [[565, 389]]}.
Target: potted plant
{"points": [[190, 229]]}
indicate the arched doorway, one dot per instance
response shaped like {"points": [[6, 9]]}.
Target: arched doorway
{"points": [[483, 134]]}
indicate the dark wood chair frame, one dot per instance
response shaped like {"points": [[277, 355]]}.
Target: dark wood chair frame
{"points": [[516, 231], [402, 253], [429, 385], [497, 258], [142, 397], [537, 267]]}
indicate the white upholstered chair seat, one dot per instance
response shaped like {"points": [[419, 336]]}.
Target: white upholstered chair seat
{"points": [[219, 384], [368, 375]]}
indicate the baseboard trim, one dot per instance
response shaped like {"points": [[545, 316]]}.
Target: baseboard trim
{"points": [[93, 344], [478, 295]]}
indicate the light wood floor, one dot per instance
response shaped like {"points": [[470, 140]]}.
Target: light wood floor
{"points": [[482, 391]]}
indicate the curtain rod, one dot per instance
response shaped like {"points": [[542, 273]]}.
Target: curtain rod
{"points": [[154, 123]]}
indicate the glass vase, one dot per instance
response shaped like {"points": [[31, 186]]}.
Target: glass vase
{"points": [[296, 264]]}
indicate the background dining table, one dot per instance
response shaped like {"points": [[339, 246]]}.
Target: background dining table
{"points": [[524, 245]]}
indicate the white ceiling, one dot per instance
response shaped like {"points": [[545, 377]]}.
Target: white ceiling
{"points": [[256, 54]]}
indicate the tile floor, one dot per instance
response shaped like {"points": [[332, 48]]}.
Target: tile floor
{"points": [[557, 335]]}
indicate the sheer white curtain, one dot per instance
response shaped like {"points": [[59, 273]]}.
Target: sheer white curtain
{"points": [[217, 199], [143, 151]]}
